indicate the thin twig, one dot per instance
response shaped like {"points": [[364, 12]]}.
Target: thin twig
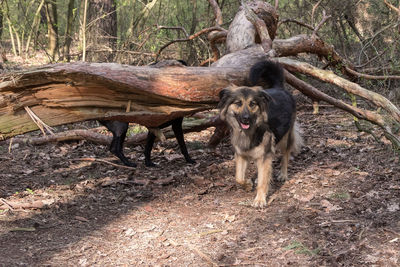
{"points": [[393, 7], [203, 256], [372, 77], [297, 22], [313, 11], [189, 38], [391, 231], [199, 252], [39, 122], [322, 22], [6, 203], [161, 27], [105, 161], [372, 59], [10, 145]]}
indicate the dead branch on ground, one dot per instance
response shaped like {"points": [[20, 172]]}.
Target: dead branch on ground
{"points": [[95, 135]]}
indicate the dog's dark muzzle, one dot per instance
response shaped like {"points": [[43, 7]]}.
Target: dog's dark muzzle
{"points": [[244, 120]]}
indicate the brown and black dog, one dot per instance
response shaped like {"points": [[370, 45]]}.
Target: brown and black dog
{"points": [[261, 119]]}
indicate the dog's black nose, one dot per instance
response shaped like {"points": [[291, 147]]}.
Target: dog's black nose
{"points": [[245, 118]]}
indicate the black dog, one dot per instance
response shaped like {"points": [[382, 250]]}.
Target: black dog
{"points": [[119, 129]]}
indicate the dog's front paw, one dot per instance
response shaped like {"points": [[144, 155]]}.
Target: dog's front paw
{"points": [[190, 161], [260, 202], [246, 184], [281, 177]]}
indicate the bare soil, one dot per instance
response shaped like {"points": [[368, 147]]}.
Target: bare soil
{"points": [[340, 207]]}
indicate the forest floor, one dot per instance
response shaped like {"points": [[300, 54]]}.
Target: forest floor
{"points": [[340, 206]]}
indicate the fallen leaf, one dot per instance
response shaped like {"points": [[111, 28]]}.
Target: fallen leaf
{"points": [[28, 171], [130, 232], [209, 225], [305, 198], [148, 208], [361, 173], [393, 207], [171, 157], [228, 218], [82, 219], [271, 199], [329, 206], [187, 198], [219, 184]]}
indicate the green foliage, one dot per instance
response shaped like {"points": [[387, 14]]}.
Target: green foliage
{"points": [[136, 129], [299, 248], [340, 195], [30, 191]]}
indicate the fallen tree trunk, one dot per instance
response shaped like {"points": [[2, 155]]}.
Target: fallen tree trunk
{"points": [[66, 93]]}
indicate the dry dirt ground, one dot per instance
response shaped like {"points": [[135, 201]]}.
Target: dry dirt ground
{"points": [[340, 207]]}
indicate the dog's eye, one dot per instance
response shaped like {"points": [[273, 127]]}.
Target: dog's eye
{"points": [[252, 104], [238, 103]]}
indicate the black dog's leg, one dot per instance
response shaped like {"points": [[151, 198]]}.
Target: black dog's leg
{"points": [[177, 128], [118, 129], [147, 149]]}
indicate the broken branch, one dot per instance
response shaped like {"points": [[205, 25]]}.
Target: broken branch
{"points": [[329, 76]]}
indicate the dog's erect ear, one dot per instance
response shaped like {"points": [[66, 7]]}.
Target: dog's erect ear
{"points": [[266, 98], [222, 93], [224, 101]]}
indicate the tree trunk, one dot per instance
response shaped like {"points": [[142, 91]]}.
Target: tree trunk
{"points": [[35, 24], [68, 31], [1, 23], [52, 28], [101, 30]]}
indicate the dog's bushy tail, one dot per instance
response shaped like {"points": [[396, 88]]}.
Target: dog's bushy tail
{"points": [[296, 139], [269, 72]]}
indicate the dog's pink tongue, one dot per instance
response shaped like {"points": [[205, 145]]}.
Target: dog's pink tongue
{"points": [[245, 126]]}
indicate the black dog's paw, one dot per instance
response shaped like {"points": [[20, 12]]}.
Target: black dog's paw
{"points": [[130, 164], [190, 161], [149, 164]]}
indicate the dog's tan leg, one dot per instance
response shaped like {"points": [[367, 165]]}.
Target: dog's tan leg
{"points": [[264, 166], [241, 166], [284, 146], [284, 165]]}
